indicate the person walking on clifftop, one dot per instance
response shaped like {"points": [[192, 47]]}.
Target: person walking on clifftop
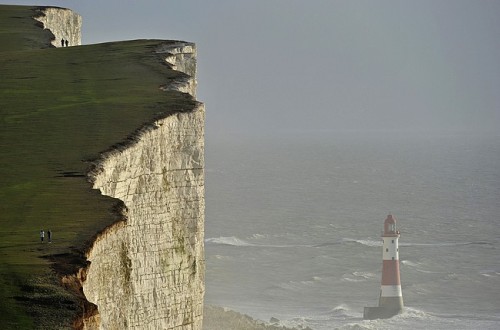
{"points": [[42, 235]]}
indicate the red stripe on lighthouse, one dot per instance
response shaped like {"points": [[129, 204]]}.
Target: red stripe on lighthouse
{"points": [[390, 272]]}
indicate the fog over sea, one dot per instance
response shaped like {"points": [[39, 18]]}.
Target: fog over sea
{"points": [[293, 228]]}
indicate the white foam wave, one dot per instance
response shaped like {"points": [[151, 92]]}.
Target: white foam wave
{"points": [[259, 236], [357, 277], [363, 242], [219, 257], [343, 311], [233, 241], [349, 279], [299, 285], [417, 266], [365, 275], [409, 263], [413, 313], [490, 273]]}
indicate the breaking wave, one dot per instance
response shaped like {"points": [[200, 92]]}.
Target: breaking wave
{"points": [[410, 263], [343, 310], [490, 273], [363, 242], [357, 276], [413, 313], [300, 285], [350, 240], [233, 241]]}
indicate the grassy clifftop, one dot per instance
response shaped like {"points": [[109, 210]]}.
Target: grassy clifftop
{"points": [[59, 108], [19, 31]]}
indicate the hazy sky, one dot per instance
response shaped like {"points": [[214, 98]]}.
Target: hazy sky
{"points": [[290, 65]]}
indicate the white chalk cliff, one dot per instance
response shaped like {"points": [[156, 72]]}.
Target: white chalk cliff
{"points": [[147, 271], [64, 23]]}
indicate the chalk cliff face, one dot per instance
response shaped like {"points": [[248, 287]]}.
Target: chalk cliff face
{"points": [[147, 272], [63, 23], [181, 57]]}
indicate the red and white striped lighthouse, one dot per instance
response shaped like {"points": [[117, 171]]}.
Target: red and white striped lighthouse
{"points": [[391, 297]]}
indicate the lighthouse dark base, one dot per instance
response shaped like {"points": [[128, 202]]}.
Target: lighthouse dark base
{"points": [[388, 307]]}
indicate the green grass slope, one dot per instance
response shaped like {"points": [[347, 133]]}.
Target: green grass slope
{"points": [[59, 108], [19, 31]]}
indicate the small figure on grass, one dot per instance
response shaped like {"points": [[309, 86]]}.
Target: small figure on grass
{"points": [[49, 235], [42, 235]]}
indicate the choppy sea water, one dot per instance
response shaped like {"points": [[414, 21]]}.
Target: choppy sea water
{"points": [[293, 229]]}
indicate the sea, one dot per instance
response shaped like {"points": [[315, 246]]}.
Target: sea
{"points": [[293, 226]]}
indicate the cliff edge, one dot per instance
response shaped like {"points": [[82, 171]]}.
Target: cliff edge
{"points": [[147, 272], [107, 152]]}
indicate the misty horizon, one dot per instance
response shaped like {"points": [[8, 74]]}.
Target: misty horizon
{"points": [[293, 66]]}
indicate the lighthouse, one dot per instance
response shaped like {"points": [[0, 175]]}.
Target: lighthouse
{"points": [[391, 297]]}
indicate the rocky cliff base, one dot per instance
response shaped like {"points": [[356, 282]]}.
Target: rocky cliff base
{"points": [[219, 318]]}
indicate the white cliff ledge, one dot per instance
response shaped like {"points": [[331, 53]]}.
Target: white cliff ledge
{"points": [[147, 272], [64, 24]]}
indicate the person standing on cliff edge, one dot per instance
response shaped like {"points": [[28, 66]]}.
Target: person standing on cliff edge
{"points": [[42, 235], [62, 42], [49, 235]]}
